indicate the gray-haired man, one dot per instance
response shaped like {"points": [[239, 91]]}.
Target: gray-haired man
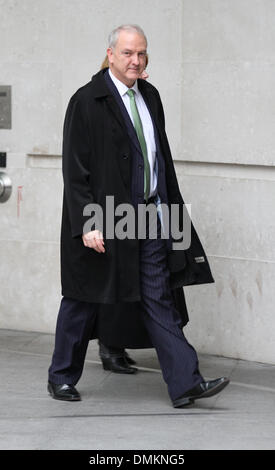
{"points": [[115, 144]]}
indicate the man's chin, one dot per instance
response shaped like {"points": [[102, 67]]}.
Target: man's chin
{"points": [[133, 73]]}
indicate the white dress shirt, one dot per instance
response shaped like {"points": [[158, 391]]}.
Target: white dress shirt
{"points": [[148, 129]]}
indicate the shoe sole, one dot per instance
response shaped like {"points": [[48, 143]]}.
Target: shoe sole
{"points": [[183, 402], [132, 371], [131, 362], [209, 393], [51, 393]]}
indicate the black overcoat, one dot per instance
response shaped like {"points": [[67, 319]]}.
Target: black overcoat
{"points": [[121, 325], [97, 163]]}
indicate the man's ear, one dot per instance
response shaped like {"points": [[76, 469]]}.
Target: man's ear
{"points": [[110, 55]]}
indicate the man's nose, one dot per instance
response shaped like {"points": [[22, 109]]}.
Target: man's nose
{"points": [[135, 59]]}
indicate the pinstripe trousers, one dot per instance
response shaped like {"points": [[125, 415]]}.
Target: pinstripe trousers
{"points": [[178, 359]]}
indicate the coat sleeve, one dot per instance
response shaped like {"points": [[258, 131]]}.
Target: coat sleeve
{"points": [[76, 163]]}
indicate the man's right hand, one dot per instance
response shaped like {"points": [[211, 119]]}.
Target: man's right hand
{"points": [[94, 239]]}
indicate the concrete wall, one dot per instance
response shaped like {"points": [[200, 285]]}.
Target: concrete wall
{"points": [[228, 124], [213, 62]]}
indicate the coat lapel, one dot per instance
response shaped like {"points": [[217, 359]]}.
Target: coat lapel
{"points": [[123, 118], [118, 107], [103, 92], [114, 108]]}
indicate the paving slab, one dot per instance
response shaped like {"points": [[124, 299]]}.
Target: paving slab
{"points": [[129, 412]]}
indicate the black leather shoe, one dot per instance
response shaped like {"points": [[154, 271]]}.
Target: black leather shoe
{"points": [[203, 390], [116, 359], [130, 361], [118, 365], [65, 392]]}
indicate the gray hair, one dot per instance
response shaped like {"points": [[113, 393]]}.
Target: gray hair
{"points": [[113, 36]]}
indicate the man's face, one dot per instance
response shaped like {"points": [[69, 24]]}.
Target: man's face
{"points": [[127, 59]]}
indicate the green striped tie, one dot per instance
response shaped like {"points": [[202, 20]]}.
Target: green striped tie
{"points": [[140, 135]]}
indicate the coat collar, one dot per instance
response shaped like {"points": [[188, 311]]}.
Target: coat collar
{"points": [[100, 88]]}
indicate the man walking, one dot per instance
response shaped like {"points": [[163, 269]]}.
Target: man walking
{"points": [[115, 145]]}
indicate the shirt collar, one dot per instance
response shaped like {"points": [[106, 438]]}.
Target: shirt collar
{"points": [[121, 87]]}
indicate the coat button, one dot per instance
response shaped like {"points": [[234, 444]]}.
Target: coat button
{"points": [[140, 167], [125, 157]]}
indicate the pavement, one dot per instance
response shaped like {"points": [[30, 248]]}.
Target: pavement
{"points": [[129, 412]]}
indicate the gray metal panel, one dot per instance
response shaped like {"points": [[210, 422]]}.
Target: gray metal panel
{"points": [[5, 107]]}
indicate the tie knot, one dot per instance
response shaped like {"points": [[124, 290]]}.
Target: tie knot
{"points": [[131, 93]]}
